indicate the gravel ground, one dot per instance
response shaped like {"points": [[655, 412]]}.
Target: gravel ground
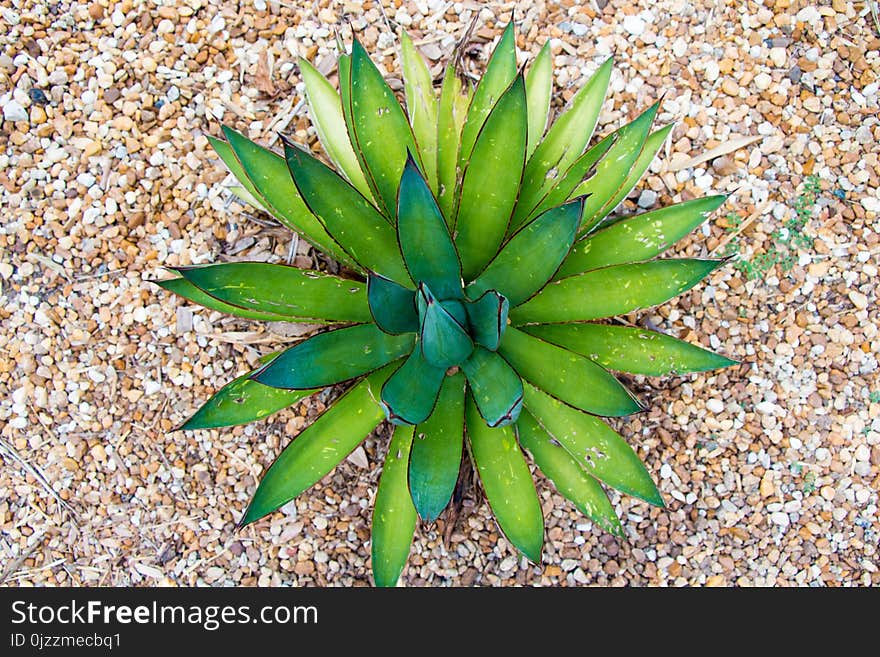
{"points": [[771, 469]]}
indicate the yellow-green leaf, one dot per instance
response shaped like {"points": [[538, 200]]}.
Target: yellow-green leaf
{"points": [[568, 376], [271, 179], [421, 104], [638, 238], [628, 349], [507, 482], [394, 517], [321, 446], [183, 288], [612, 291], [500, 72], [594, 445], [351, 219], [491, 178], [325, 110], [242, 401], [378, 130], [436, 452], [570, 479], [455, 99], [566, 138], [296, 294], [539, 88]]}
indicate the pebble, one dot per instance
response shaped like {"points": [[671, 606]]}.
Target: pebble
{"points": [[779, 57], [712, 70], [13, 111], [763, 81], [634, 25], [647, 198], [715, 405], [780, 518]]}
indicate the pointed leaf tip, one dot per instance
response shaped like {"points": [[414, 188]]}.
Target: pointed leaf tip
{"points": [[320, 447]]}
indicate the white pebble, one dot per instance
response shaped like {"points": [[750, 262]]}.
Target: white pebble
{"points": [[871, 203], [85, 179], [712, 71], [763, 81], [715, 405], [808, 14], [13, 111], [634, 25], [647, 198], [778, 56], [779, 518]]}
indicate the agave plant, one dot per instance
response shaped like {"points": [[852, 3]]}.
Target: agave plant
{"points": [[476, 257]]}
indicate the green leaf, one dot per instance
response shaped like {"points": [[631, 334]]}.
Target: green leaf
{"points": [[570, 479], [271, 179], [495, 387], [245, 196], [421, 103], [427, 248], [613, 291], [638, 238], [333, 357], [224, 150], [614, 169], [560, 192], [378, 130], [183, 288], [539, 87], [454, 102], [566, 139], [652, 144], [530, 258], [500, 72], [325, 110], [242, 401], [320, 447], [436, 452], [570, 377], [394, 517], [490, 182], [594, 445], [507, 482], [296, 294], [634, 350], [409, 396], [343, 65], [488, 319], [393, 306], [444, 340], [350, 218]]}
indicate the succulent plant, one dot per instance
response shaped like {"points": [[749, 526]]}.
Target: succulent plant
{"points": [[476, 255]]}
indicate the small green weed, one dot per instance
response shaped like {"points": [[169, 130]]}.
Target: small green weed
{"points": [[786, 240], [809, 485]]}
